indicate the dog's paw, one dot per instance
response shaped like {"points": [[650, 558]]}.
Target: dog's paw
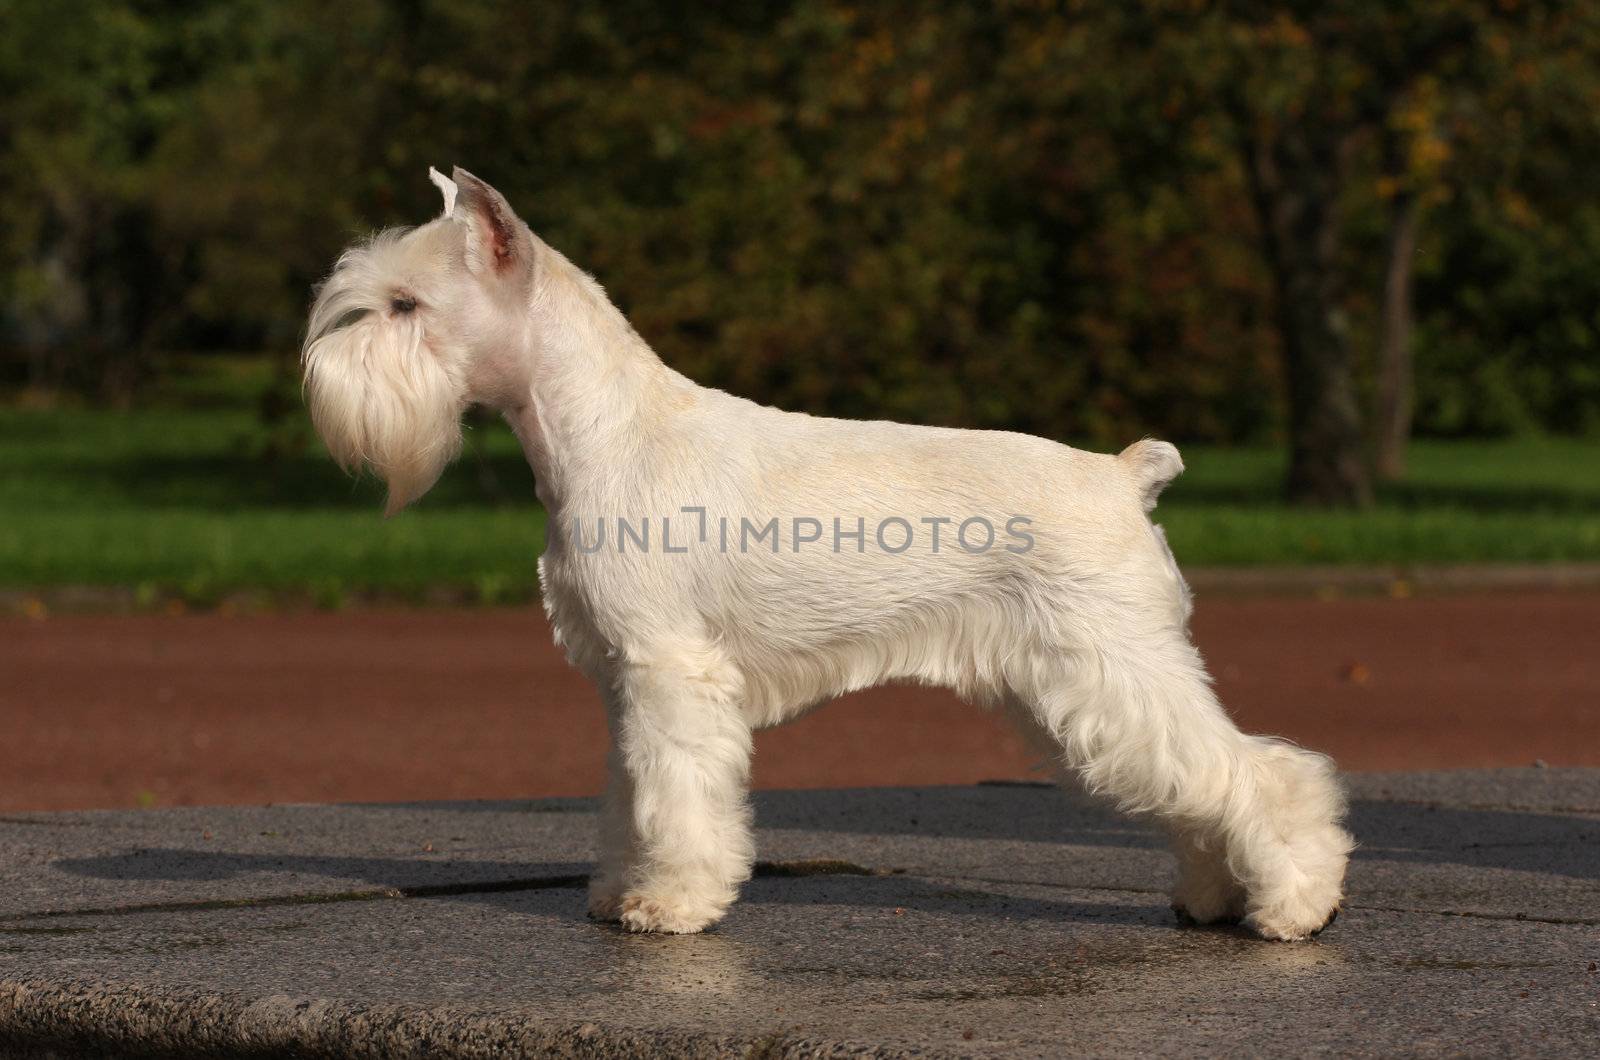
{"points": [[1295, 915], [605, 902], [642, 912], [1281, 929], [1303, 897], [1215, 898]]}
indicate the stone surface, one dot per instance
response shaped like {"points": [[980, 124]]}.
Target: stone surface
{"points": [[997, 920]]}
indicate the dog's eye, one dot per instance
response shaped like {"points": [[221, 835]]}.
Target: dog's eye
{"points": [[403, 305]]}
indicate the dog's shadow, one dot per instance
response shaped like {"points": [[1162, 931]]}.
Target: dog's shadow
{"points": [[1551, 843], [489, 883], [1533, 843], [847, 882]]}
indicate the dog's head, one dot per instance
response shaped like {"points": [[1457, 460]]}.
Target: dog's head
{"points": [[411, 327]]}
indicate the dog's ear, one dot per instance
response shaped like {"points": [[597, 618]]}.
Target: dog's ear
{"points": [[447, 188], [498, 243]]}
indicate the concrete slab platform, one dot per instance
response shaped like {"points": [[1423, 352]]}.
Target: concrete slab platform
{"points": [[992, 921]]}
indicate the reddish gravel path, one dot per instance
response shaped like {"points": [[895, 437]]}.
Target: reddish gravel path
{"points": [[401, 705]]}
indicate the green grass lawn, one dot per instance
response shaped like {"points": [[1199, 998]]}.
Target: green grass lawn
{"points": [[1534, 500], [186, 496]]}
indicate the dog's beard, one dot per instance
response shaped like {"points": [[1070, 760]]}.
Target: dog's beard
{"points": [[380, 398]]}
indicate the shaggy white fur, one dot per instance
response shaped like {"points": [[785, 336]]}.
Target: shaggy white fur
{"points": [[1076, 624]]}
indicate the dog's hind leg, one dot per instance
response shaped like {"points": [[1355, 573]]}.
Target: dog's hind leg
{"points": [[1135, 720], [1206, 891], [684, 748]]}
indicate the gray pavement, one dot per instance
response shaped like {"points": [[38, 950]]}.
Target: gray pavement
{"points": [[997, 920]]}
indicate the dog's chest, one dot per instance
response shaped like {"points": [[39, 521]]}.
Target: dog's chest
{"points": [[572, 615]]}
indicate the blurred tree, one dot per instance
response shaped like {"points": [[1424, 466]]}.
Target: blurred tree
{"points": [[1509, 295], [88, 270], [1081, 220], [1439, 70], [1334, 107], [1287, 87]]}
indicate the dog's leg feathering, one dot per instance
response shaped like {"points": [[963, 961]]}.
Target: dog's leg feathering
{"points": [[1255, 821], [686, 750]]}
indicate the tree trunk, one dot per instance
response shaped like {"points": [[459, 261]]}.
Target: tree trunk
{"points": [[1294, 185], [1327, 465], [1394, 341]]}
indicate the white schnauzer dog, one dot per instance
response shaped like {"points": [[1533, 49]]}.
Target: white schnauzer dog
{"points": [[1076, 625]]}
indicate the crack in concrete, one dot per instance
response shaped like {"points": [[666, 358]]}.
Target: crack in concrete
{"points": [[1570, 921], [206, 905], [791, 869], [1360, 906], [817, 867], [1493, 807], [799, 868]]}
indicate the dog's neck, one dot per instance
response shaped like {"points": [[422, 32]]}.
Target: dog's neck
{"points": [[592, 384]]}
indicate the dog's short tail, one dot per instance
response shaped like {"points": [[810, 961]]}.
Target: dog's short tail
{"points": [[1153, 464]]}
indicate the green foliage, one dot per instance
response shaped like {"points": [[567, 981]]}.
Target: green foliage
{"points": [[1028, 215]]}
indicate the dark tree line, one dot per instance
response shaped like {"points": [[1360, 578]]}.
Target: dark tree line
{"points": [[1333, 223]]}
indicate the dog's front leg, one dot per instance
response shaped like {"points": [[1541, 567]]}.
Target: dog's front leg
{"points": [[684, 748]]}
